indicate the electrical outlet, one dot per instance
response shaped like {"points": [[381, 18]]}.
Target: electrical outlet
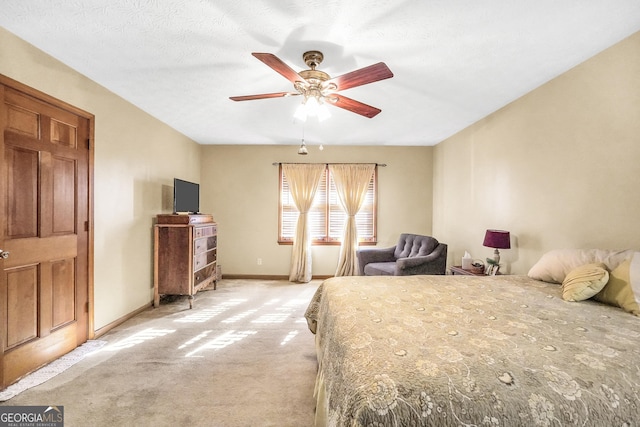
{"points": [[259, 261]]}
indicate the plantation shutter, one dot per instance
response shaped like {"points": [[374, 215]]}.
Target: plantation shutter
{"points": [[288, 211], [326, 217]]}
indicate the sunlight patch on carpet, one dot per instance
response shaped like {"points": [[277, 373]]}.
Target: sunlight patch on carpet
{"points": [[52, 369]]}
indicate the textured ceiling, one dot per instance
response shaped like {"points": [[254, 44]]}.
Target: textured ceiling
{"points": [[454, 61]]}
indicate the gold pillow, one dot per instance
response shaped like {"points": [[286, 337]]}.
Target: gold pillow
{"points": [[620, 289], [584, 282]]}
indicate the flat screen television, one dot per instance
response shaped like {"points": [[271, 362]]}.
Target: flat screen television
{"points": [[186, 196]]}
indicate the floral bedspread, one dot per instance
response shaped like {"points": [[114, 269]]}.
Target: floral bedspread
{"points": [[465, 350]]}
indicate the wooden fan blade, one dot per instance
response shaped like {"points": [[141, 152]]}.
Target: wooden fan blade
{"points": [[263, 96], [277, 64], [354, 106], [362, 76]]}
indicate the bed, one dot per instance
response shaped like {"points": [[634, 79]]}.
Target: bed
{"points": [[464, 350]]}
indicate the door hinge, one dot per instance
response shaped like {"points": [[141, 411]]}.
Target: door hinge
{"points": [[86, 307], [86, 226], [88, 144]]}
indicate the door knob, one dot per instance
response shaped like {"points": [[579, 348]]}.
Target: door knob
{"points": [[3, 254]]}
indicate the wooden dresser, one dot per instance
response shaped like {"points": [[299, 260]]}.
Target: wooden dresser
{"points": [[185, 255]]}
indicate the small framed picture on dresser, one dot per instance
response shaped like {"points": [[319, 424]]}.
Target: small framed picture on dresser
{"points": [[492, 269]]}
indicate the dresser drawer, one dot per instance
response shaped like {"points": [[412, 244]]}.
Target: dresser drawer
{"points": [[206, 273], [209, 230], [204, 244], [202, 260]]}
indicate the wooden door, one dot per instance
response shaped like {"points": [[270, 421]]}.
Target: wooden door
{"points": [[45, 205]]}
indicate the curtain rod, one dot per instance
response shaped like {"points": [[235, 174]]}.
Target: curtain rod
{"points": [[346, 163]]}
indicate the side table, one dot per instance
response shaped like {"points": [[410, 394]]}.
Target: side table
{"points": [[457, 269]]}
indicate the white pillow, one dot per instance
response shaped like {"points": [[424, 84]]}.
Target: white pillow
{"points": [[554, 266]]}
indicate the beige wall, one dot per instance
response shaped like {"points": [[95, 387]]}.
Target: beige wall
{"points": [[240, 188], [136, 158], [559, 167]]}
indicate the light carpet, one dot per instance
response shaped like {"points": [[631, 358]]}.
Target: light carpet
{"points": [[52, 369], [243, 356]]}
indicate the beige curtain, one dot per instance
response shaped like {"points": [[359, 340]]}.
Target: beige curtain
{"points": [[303, 182], [351, 181]]}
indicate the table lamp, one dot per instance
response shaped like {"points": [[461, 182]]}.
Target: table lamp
{"points": [[497, 239]]}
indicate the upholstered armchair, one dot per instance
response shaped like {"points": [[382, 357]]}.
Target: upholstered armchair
{"points": [[413, 254]]}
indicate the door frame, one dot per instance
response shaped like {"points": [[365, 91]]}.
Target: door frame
{"points": [[9, 82]]}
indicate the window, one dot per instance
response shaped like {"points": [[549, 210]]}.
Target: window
{"points": [[326, 217]]}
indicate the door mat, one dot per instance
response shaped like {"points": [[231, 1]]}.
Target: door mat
{"points": [[52, 369]]}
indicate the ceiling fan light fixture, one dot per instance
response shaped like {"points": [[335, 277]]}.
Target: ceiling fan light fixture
{"points": [[312, 106]]}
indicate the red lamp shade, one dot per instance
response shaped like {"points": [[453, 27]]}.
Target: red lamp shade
{"points": [[498, 239]]}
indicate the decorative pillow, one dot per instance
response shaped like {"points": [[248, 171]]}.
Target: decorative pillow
{"points": [[623, 288], [554, 266], [584, 282]]}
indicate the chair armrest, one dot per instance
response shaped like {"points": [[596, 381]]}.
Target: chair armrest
{"points": [[366, 256], [415, 260]]}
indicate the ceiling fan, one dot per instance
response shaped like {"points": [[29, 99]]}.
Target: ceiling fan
{"points": [[318, 86]]}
